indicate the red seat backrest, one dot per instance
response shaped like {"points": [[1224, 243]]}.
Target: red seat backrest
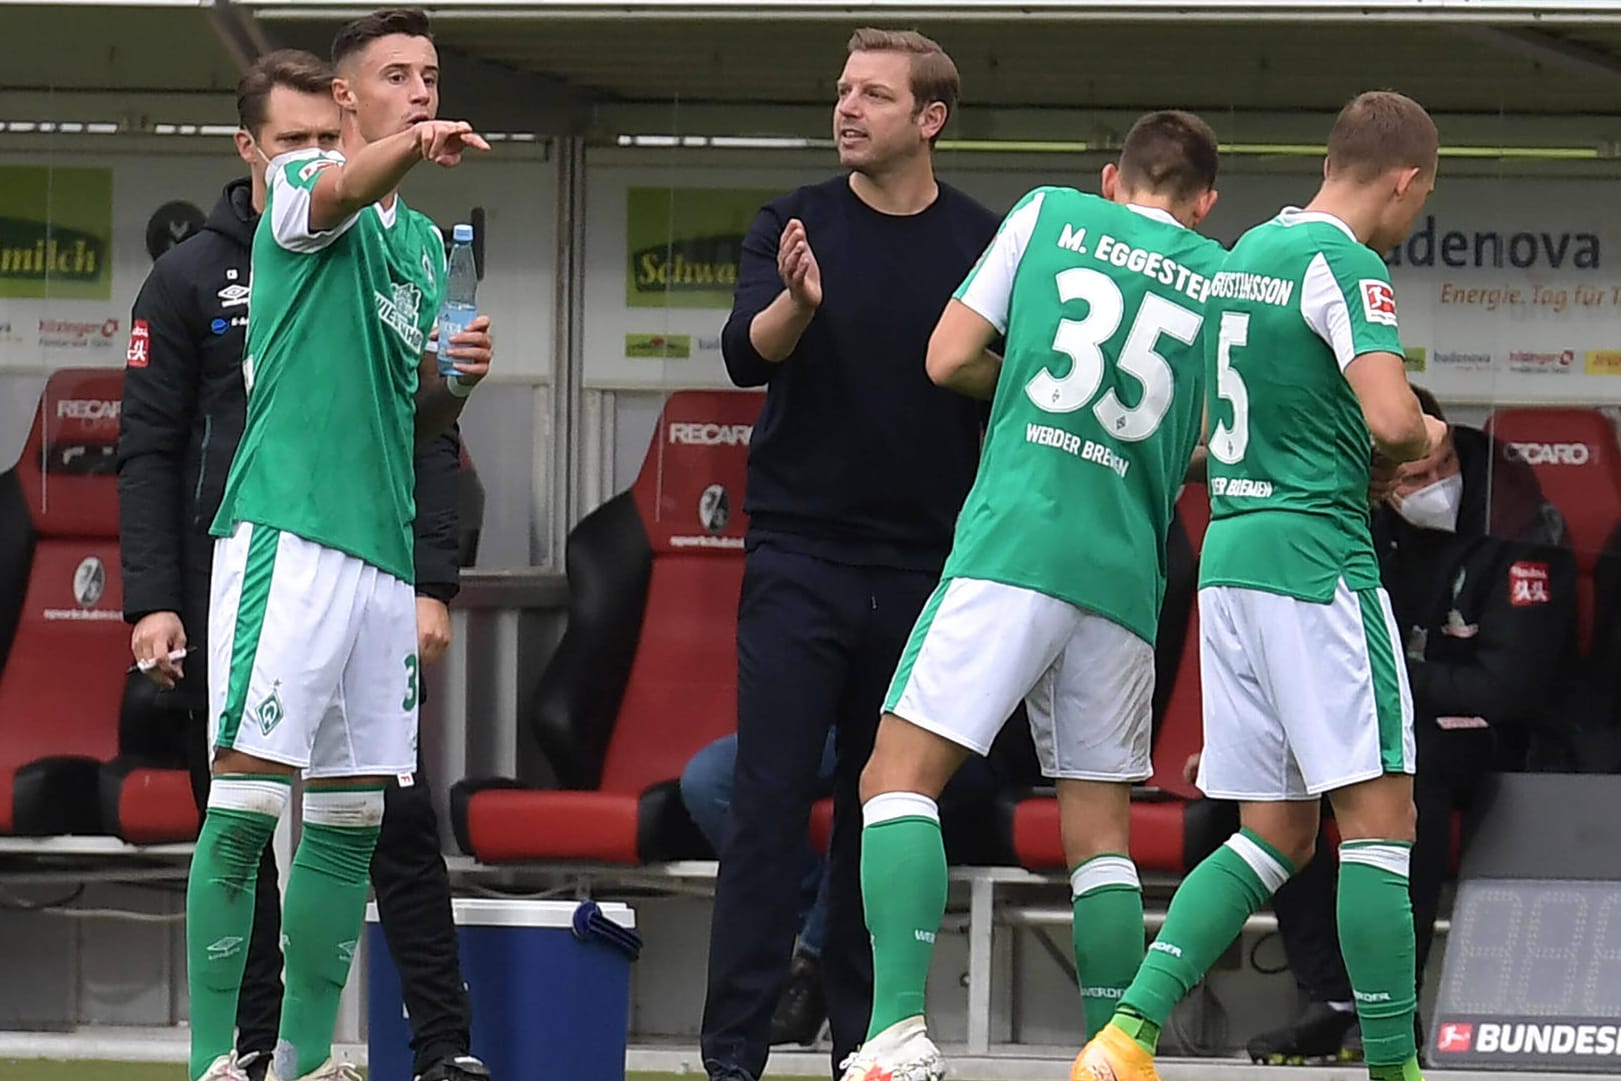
{"points": [[1577, 461], [63, 680], [682, 689], [1193, 508], [1181, 731]]}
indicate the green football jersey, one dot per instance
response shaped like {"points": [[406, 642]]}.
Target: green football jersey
{"points": [[1297, 300], [1098, 404], [338, 322]]}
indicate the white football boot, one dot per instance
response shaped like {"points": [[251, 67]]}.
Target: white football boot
{"points": [[327, 1071], [224, 1068], [902, 1052]]}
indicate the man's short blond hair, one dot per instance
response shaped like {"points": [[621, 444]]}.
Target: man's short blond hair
{"points": [[934, 74], [1379, 131]]}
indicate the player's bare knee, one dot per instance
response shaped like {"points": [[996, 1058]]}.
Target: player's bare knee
{"points": [[1293, 844], [1290, 827], [1094, 819], [1394, 819], [906, 758], [1379, 810], [887, 774], [1300, 849], [1094, 841]]}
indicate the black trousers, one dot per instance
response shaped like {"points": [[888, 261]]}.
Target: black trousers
{"points": [[1452, 766], [817, 644], [413, 900]]}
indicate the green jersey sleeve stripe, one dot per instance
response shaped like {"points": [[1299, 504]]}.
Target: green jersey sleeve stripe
{"points": [[988, 289]]}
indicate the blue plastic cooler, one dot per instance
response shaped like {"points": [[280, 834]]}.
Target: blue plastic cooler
{"points": [[549, 983]]}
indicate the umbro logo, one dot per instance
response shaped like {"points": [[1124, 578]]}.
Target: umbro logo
{"points": [[221, 949]]}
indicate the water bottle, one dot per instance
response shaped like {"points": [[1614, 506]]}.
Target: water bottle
{"points": [[460, 289]]}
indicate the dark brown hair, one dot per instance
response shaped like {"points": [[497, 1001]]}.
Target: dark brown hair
{"points": [[412, 22], [1379, 131], [293, 68], [934, 74], [1427, 402], [1171, 153]]}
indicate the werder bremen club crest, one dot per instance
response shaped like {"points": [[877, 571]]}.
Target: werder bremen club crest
{"points": [[399, 313]]}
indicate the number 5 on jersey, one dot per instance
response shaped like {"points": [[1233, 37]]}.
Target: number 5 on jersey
{"points": [[1229, 441], [1082, 341]]}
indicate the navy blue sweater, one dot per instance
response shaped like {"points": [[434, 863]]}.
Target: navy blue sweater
{"points": [[857, 457]]}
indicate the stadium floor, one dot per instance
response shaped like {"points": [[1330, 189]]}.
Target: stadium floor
{"points": [[55, 1070], [46, 1070], [123, 1054]]}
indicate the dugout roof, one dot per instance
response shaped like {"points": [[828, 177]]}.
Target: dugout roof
{"points": [[1029, 67]]}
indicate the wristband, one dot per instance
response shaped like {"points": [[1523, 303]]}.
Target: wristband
{"points": [[457, 388]]}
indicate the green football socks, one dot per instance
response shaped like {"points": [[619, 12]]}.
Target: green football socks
{"points": [[1206, 914], [240, 821], [322, 916], [903, 888], [1107, 931], [1376, 938]]}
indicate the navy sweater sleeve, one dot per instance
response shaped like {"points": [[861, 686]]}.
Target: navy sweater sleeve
{"points": [[758, 284], [857, 457]]}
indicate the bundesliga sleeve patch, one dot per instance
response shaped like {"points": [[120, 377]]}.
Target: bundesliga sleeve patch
{"points": [[1378, 301], [310, 169], [1528, 584], [302, 174], [140, 345]]}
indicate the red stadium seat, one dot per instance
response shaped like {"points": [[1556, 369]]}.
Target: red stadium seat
{"points": [[145, 804], [145, 792], [63, 643], [821, 825], [646, 672], [1577, 461], [1168, 836]]}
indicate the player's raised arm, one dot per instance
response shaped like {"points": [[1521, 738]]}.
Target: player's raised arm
{"points": [[378, 168], [959, 355]]}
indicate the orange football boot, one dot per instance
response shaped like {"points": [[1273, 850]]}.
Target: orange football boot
{"points": [[1113, 1056]]}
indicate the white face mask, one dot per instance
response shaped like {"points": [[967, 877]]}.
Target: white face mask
{"points": [[1434, 506]]}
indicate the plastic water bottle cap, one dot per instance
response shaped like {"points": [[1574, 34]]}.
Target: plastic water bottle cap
{"points": [[462, 233]]}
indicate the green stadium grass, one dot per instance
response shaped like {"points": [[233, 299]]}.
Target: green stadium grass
{"points": [[43, 1070]]}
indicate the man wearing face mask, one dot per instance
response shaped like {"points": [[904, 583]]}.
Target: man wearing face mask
{"points": [[1483, 584]]}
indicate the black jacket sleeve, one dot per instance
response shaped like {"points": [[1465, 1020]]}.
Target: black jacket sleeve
{"points": [[438, 520], [758, 284], [154, 431], [1521, 641]]}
